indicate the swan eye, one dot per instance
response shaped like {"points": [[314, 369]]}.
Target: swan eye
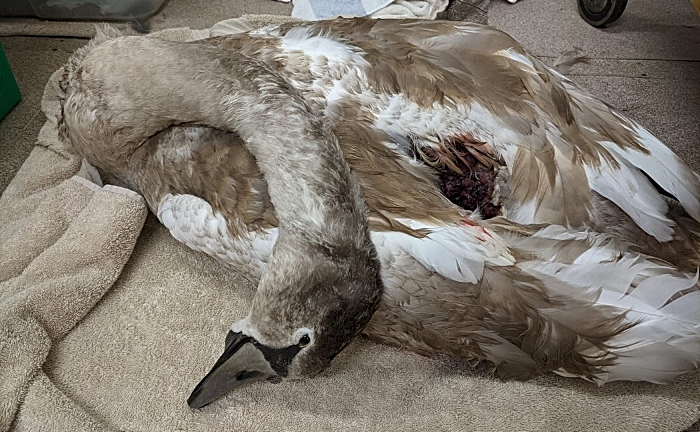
{"points": [[304, 340]]}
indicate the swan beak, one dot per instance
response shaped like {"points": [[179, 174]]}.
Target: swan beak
{"points": [[242, 362]]}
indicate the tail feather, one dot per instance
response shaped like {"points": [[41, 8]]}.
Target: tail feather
{"points": [[635, 195], [663, 166], [658, 335], [629, 152]]}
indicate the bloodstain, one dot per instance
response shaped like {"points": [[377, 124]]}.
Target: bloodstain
{"points": [[472, 187]]}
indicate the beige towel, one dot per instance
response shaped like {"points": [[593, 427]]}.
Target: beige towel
{"points": [[63, 244], [79, 351]]}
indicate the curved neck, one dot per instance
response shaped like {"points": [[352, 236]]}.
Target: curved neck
{"points": [[314, 193], [310, 183]]}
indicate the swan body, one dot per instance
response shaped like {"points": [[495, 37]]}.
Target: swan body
{"points": [[449, 91], [539, 286], [529, 299]]}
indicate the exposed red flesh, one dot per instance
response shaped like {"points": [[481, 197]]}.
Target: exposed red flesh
{"points": [[472, 187]]}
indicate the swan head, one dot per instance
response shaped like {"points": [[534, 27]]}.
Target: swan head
{"points": [[311, 302]]}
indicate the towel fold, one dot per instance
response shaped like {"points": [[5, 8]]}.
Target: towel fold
{"points": [[63, 243]]}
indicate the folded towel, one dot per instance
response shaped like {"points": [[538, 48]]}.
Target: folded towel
{"points": [[101, 331], [63, 242]]}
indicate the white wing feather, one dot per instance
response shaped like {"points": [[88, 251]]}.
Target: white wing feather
{"points": [[665, 341], [192, 221], [663, 166], [456, 252], [634, 194]]}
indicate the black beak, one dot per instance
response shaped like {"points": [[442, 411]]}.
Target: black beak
{"points": [[243, 361]]}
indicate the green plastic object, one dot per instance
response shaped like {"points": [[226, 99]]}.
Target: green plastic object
{"points": [[9, 92]]}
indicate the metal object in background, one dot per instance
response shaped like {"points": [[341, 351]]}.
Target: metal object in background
{"points": [[598, 13]]}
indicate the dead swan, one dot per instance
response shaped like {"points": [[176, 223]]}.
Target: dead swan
{"points": [[530, 299]]}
